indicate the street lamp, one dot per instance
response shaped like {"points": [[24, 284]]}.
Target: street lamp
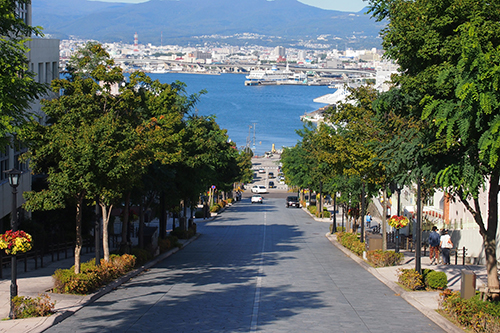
{"points": [[398, 209], [334, 219], [334, 223], [14, 176]]}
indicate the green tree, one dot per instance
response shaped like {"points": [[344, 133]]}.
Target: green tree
{"points": [[17, 85], [449, 54]]}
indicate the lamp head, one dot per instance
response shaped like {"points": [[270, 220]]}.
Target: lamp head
{"points": [[14, 176]]}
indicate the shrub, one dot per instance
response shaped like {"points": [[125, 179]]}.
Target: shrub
{"points": [[326, 214], [184, 234], [312, 209], [352, 242], [142, 255], [215, 208], [198, 214], [410, 278], [436, 280], [379, 258], [27, 307], [92, 277], [473, 313], [230, 200]]}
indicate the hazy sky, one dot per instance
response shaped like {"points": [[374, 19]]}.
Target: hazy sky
{"points": [[344, 5]]}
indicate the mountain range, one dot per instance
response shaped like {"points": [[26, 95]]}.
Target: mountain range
{"points": [[199, 21]]}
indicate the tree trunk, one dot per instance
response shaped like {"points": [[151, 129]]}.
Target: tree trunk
{"points": [[106, 213], [163, 216], [79, 239], [97, 234], [384, 217], [124, 244], [141, 224], [490, 244]]}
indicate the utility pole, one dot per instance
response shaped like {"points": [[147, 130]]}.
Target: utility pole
{"points": [[254, 136], [363, 213], [384, 218], [418, 249]]}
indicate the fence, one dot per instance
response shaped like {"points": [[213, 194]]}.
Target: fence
{"points": [[55, 252]]}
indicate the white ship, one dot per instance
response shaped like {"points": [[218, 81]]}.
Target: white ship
{"points": [[273, 74]]}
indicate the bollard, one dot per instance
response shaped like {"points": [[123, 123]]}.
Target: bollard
{"points": [[468, 284], [463, 256]]}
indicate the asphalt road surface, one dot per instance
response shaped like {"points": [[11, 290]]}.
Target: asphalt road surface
{"points": [[255, 268]]}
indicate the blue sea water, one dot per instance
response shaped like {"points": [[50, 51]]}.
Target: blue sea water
{"points": [[275, 110]]}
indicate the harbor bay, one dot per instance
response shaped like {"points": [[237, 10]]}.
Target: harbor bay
{"points": [[273, 112]]}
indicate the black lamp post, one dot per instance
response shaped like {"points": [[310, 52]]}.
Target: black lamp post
{"points": [[14, 176], [398, 209], [418, 235], [334, 221]]}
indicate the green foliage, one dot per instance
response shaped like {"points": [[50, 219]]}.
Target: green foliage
{"points": [[410, 278], [168, 243], [326, 214], [184, 234], [92, 277], [215, 208], [16, 91], [142, 255], [352, 242], [27, 307], [473, 313], [312, 209], [443, 109], [379, 258], [436, 280]]}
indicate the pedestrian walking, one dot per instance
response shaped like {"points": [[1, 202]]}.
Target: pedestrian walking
{"points": [[434, 240], [368, 219], [446, 246]]}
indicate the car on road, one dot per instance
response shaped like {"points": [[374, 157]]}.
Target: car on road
{"points": [[259, 189], [292, 201], [271, 184], [256, 198]]}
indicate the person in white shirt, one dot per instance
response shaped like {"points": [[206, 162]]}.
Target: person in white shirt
{"points": [[446, 245]]}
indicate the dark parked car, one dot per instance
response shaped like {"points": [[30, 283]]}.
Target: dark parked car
{"points": [[271, 184], [292, 201]]}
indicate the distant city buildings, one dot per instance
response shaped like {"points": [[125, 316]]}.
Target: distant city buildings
{"points": [[151, 57]]}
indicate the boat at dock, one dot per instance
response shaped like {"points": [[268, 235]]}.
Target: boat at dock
{"points": [[260, 76]]}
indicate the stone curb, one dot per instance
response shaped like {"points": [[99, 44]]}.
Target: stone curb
{"points": [[56, 318], [439, 320]]}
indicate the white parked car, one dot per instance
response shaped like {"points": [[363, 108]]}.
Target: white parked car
{"points": [[259, 189], [257, 198]]}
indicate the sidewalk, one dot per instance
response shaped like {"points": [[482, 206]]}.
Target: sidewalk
{"points": [[38, 281], [426, 302]]}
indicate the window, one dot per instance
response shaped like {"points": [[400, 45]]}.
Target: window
{"points": [[17, 153], [40, 72], [4, 163], [22, 12]]}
